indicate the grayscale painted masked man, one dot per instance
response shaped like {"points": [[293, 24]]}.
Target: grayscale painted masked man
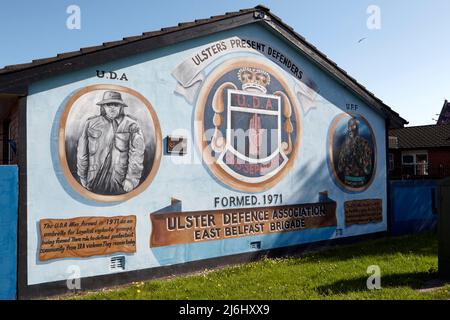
{"points": [[110, 151], [355, 157]]}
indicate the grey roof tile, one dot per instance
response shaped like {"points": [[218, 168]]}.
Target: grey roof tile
{"points": [[430, 136]]}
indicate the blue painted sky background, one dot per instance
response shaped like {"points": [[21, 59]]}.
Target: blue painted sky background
{"points": [[406, 63]]}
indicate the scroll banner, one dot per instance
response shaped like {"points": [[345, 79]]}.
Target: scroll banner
{"points": [[86, 237], [363, 211], [187, 227], [190, 73]]}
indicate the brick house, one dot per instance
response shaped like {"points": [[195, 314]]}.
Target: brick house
{"points": [[421, 152]]}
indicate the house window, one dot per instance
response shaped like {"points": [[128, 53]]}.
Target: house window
{"points": [[391, 162], [415, 163]]}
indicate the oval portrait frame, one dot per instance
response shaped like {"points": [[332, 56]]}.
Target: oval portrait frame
{"points": [[200, 136], [62, 145], [331, 163]]}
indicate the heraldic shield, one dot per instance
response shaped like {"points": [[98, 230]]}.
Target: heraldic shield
{"points": [[253, 136], [253, 125]]}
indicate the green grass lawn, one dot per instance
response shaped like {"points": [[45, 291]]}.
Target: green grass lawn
{"points": [[407, 265]]}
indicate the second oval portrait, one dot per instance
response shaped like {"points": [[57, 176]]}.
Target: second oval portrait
{"points": [[352, 152]]}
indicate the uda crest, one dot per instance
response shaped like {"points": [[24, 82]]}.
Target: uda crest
{"points": [[247, 124]]}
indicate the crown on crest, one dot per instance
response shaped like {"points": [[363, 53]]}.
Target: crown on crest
{"points": [[254, 79]]}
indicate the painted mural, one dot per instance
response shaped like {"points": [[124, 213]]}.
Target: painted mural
{"points": [[110, 142], [352, 152], [250, 116], [86, 237], [188, 227], [272, 157]]}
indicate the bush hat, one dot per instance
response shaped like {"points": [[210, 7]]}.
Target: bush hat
{"points": [[112, 97]]}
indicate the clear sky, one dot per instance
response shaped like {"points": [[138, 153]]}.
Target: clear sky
{"points": [[406, 63]]}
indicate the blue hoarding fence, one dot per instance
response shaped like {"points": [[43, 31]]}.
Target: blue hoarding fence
{"points": [[8, 231], [413, 206]]}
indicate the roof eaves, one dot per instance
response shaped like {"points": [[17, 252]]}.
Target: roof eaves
{"points": [[107, 45]]}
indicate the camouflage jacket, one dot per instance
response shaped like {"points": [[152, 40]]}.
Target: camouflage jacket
{"points": [[355, 157]]}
